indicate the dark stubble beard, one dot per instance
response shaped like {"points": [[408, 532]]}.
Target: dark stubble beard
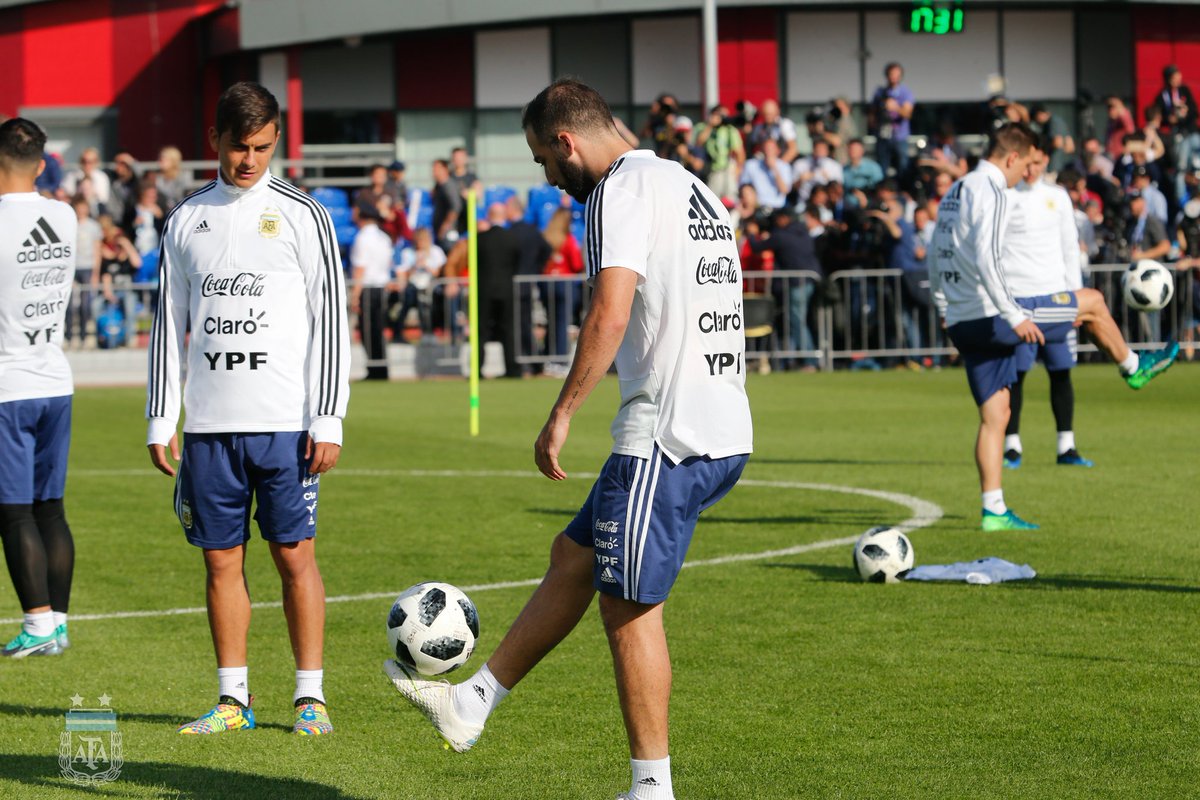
{"points": [[575, 182]]}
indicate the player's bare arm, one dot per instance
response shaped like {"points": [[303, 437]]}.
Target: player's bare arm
{"points": [[599, 339]]}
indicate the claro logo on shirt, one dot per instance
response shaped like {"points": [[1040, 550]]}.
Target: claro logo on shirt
{"points": [[244, 284]]}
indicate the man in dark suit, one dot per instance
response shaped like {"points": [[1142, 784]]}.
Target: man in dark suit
{"points": [[499, 260]]}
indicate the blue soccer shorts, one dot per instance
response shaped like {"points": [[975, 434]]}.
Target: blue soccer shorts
{"points": [[1055, 314], [989, 351], [640, 515], [35, 436], [220, 475]]}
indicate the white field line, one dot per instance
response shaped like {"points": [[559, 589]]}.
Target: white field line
{"points": [[924, 514]]}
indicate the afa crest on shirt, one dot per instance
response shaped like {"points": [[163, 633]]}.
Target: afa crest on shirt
{"points": [[1050, 204], [269, 224]]}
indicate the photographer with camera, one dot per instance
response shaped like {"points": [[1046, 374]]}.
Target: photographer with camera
{"points": [[776, 128], [770, 175], [889, 118], [722, 145]]}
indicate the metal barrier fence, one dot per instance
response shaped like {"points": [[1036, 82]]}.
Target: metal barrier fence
{"points": [[851, 317]]}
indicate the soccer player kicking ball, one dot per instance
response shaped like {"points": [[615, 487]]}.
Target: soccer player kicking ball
{"points": [[37, 237], [253, 264], [1041, 262], [987, 324], [667, 305]]}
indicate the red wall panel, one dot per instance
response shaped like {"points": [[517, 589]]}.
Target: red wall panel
{"points": [[435, 71], [68, 53], [1164, 36], [748, 55], [12, 61]]}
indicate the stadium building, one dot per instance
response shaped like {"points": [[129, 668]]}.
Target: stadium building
{"points": [[416, 78]]}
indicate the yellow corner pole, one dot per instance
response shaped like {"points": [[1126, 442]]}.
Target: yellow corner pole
{"points": [[473, 308]]}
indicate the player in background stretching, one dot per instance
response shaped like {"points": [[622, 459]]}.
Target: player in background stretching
{"points": [[1041, 259], [37, 240], [986, 323], [667, 306], [253, 263]]}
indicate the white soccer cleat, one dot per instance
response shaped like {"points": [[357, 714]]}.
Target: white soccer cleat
{"points": [[435, 700]]}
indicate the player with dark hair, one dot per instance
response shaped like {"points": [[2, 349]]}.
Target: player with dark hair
{"points": [[986, 323], [253, 264], [666, 305], [37, 239]]}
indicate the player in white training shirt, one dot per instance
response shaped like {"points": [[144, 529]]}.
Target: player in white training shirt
{"points": [[667, 305], [252, 264], [37, 264], [1041, 258], [986, 322]]}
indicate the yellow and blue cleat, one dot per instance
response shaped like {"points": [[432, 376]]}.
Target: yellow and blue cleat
{"points": [[312, 718], [226, 715]]}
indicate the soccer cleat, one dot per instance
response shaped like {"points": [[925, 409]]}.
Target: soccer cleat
{"points": [[435, 700], [1012, 458], [60, 633], [311, 718], [224, 716], [1151, 365], [25, 644], [1008, 521], [1071, 458]]}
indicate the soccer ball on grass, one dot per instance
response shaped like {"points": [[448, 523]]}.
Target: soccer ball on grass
{"points": [[883, 555], [1148, 285], [432, 628]]}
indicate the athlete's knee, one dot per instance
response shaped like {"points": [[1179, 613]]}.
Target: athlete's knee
{"points": [[49, 511], [13, 516], [1091, 302], [294, 559], [224, 564]]}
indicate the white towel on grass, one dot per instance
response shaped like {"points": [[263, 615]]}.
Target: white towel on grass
{"points": [[983, 570]]}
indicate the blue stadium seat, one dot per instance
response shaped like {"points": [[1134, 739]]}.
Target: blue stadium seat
{"points": [[398, 251], [345, 235], [420, 201], [148, 271], [341, 216], [331, 197], [493, 194], [543, 202], [579, 231]]}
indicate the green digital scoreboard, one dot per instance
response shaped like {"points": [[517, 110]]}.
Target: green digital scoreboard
{"points": [[932, 18]]}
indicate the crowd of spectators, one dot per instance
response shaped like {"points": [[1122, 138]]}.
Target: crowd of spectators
{"points": [[837, 199]]}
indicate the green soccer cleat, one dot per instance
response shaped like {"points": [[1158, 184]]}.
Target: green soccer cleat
{"points": [[1008, 521], [25, 644], [60, 633], [311, 718], [1152, 364], [224, 716]]}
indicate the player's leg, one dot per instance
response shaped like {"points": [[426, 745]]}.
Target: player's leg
{"points": [[1012, 432], [212, 501], [1138, 368], [50, 481]]}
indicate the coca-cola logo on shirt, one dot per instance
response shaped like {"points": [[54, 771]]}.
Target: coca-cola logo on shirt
{"points": [[40, 278], [719, 270], [244, 284]]}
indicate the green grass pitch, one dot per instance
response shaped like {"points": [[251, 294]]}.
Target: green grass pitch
{"points": [[792, 678]]}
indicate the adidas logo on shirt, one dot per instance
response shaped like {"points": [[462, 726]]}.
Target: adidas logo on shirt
{"points": [[202, 227], [42, 244], [707, 226]]}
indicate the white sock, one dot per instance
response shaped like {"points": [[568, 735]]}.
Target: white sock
{"points": [[1066, 441], [39, 624], [233, 682], [1013, 442], [478, 696], [651, 780], [309, 683], [60, 619], [993, 501], [1130, 364]]}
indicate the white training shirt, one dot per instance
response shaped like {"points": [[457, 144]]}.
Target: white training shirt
{"points": [[682, 364], [372, 252], [37, 267], [1041, 245], [965, 274], [258, 273]]}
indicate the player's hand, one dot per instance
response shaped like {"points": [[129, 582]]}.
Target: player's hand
{"points": [[158, 455], [547, 447], [321, 456], [1030, 333]]}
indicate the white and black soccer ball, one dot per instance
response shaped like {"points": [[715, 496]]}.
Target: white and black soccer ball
{"points": [[432, 628], [883, 555], [1147, 285]]}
